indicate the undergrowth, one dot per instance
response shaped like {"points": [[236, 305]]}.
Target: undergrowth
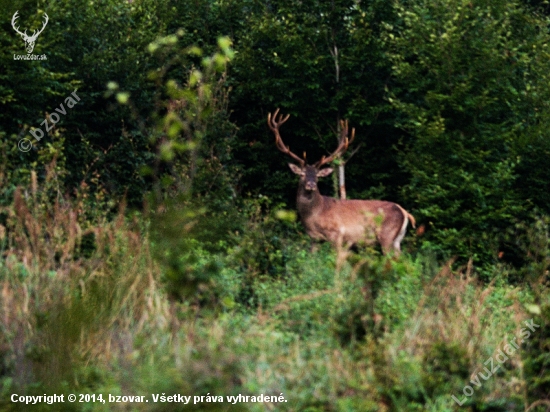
{"points": [[88, 306]]}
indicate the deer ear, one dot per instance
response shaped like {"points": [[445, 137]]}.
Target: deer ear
{"points": [[324, 172], [296, 169]]}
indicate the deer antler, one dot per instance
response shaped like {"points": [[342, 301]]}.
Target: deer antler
{"points": [[34, 33], [274, 125], [15, 17], [343, 143]]}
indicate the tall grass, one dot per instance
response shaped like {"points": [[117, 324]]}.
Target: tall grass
{"points": [[86, 307]]}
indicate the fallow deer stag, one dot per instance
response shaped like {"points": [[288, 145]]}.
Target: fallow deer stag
{"points": [[341, 222]]}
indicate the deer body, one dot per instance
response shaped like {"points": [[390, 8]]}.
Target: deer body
{"points": [[347, 222], [342, 222]]}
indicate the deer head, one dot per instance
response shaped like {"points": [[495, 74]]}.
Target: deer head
{"points": [[309, 174], [29, 40]]}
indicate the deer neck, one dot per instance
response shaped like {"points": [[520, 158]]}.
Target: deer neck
{"points": [[308, 202]]}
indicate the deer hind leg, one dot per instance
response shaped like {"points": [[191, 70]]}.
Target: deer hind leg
{"points": [[390, 241], [313, 246], [389, 244], [396, 243]]}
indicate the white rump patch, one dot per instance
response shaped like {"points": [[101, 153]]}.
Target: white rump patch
{"points": [[401, 235]]}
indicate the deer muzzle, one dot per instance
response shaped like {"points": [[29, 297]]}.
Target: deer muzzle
{"points": [[311, 186]]}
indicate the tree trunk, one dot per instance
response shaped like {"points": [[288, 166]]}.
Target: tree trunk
{"points": [[342, 179]]}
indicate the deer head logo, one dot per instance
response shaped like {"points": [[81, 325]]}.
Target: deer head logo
{"points": [[29, 40]]}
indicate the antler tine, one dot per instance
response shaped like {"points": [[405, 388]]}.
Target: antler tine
{"points": [[342, 144], [46, 20], [44, 24], [274, 125], [344, 131], [15, 17]]}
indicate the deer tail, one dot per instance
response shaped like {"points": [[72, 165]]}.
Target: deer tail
{"points": [[411, 218], [407, 216]]}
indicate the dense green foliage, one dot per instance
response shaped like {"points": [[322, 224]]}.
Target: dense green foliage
{"points": [[149, 243], [449, 100], [473, 88]]}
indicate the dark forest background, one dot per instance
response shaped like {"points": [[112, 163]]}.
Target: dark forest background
{"points": [[168, 152], [449, 101]]}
